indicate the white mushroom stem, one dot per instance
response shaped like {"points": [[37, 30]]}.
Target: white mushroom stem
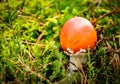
{"points": [[76, 62], [76, 65]]}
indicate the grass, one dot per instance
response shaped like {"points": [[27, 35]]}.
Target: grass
{"points": [[30, 50]]}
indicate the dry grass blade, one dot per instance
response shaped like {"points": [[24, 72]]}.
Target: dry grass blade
{"points": [[82, 73], [117, 10], [40, 37], [95, 20], [27, 68], [26, 42]]}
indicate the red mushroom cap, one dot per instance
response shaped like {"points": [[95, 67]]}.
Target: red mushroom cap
{"points": [[77, 35]]}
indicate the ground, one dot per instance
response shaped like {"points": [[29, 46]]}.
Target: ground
{"points": [[30, 50]]}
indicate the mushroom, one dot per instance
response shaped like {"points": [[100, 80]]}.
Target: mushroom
{"points": [[76, 36]]}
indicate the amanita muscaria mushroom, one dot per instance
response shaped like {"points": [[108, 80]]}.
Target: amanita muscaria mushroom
{"points": [[76, 36]]}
